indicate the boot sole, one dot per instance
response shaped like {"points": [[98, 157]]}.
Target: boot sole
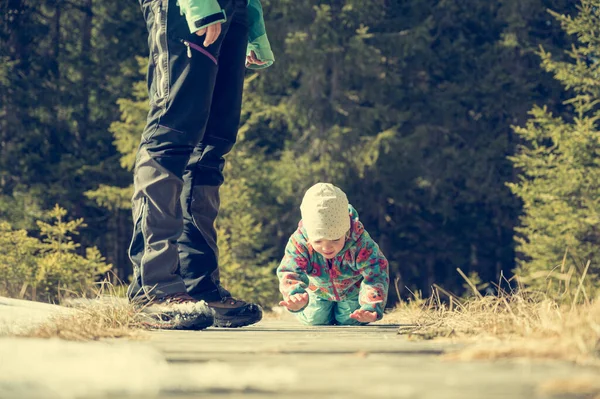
{"points": [[156, 322], [237, 322]]}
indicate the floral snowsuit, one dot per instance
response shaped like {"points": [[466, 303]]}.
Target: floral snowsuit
{"points": [[357, 278]]}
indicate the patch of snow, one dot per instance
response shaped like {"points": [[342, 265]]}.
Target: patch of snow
{"points": [[19, 315], [225, 377], [37, 368], [55, 369]]}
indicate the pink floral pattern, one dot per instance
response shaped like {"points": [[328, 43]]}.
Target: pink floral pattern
{"points": [[302, 263], [364, 254], [315, 269], [361, 266], [372, 295]]}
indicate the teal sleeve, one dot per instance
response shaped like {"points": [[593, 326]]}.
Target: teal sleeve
{"points": [[292, 269], [201, 13], [257, 36], [374, 268]]}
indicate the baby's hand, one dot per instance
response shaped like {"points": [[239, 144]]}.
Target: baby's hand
{"points": [[364, 316], [295, 302]]}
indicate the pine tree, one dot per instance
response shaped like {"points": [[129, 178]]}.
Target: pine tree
{"points": [[51, 268], [407, 106], [560, 173], [60, 77]]}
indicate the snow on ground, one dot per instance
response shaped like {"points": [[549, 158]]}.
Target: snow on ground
{"points": [[36, 368], [18, 315], [39, 368]]}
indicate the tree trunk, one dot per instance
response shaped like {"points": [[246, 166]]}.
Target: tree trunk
{"points": [[474, 259], [55, 75], [430, 276], [499, 251], [86, 71]]}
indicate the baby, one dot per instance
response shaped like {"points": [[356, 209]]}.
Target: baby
{"points": [[332, 271]]}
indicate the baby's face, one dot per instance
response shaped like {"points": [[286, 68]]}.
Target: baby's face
{"points": [[329, 248]]}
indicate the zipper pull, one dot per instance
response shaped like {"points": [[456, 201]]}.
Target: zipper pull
{"points": [[189, 50]]}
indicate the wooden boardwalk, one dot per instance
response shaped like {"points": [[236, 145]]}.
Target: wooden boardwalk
{"points": [[287, 360], [273, 359]]}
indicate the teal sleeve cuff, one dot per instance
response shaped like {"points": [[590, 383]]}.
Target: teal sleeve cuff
{"points": [[263, 52], [202, 13], [373, 308], [298, 290], [198, 24], [300, 310]]}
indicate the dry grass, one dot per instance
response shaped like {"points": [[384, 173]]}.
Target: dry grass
{"points": [[581, 387], [90, 323], [516, 324], [107, 316]]}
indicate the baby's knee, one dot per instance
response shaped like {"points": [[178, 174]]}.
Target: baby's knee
{"points": [[315, 319]]}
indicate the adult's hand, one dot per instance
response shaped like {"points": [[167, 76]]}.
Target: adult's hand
{"points": [[251, 59], [212, 33]]}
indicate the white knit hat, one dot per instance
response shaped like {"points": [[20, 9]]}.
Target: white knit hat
{"points": [[325, 212]]}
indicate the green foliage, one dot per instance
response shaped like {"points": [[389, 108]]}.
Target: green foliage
{"points": [[560, 171], [245, 251], [64, 65], [20, 209], [405, 105], [133, 111], [126, 132], [50, 268], [110, 197]]}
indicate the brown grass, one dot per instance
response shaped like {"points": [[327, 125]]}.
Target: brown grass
{"points": [[90, 323], [509, 325], [581, 387], [107, 316]]}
